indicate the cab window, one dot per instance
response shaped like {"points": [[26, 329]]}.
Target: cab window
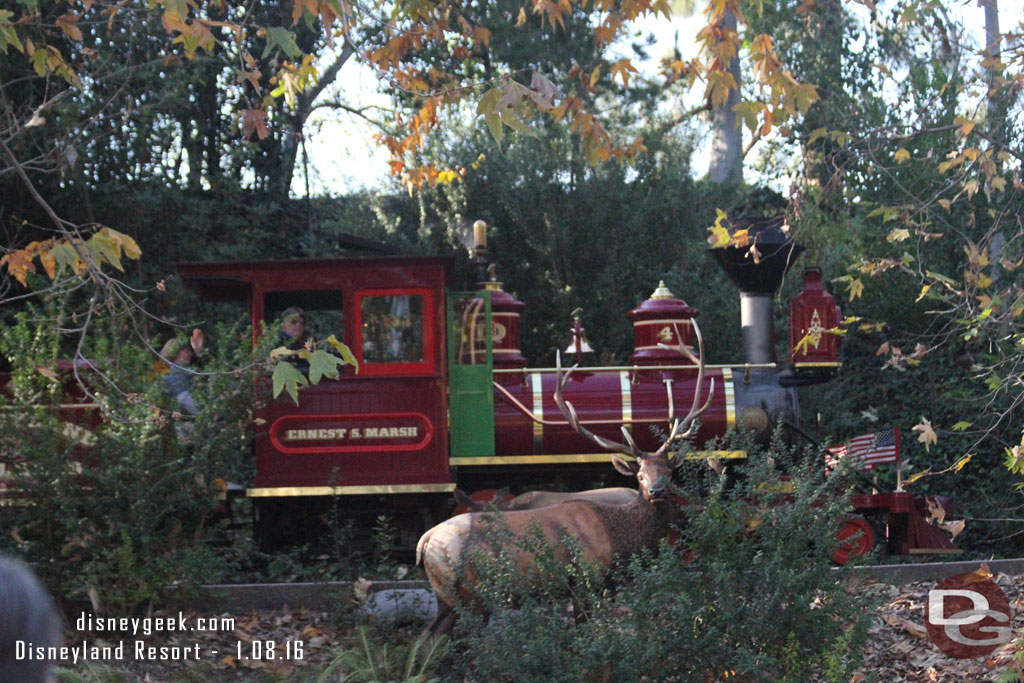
{"points": [[392, 329], [396, 329]]}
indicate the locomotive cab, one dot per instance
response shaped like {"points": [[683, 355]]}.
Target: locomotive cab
{"points": [[373, 434]]}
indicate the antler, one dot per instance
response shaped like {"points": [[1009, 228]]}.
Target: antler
{"points": [[694, 412], [630, 448], [574, 421]]}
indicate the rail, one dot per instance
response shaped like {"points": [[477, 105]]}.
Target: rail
{"points": [[642, 368]]}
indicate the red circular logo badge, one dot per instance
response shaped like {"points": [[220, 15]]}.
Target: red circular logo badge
{"points": [[968, 615]]}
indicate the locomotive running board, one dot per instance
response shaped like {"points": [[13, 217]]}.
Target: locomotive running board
{"points": [[375, 489], [579, 457]]}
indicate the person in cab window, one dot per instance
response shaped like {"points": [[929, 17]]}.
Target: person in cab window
{"points": [[293, 328]]}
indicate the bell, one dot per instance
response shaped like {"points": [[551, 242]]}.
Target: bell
{"points": [[584, 346], [579, 342]]}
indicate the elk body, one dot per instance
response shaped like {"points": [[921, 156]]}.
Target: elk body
{"points": [[604, 533]]}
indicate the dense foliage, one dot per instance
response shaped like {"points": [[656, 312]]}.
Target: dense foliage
{"points": [[747, 590], [119, 493]]}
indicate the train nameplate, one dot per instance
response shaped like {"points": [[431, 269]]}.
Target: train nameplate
{"points": [[351, 433]]}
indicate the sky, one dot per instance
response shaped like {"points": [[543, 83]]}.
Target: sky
{"points": [[343, 156]]}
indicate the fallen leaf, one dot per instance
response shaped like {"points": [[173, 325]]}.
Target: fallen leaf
{"points": [[913, 629], [362, 588]]}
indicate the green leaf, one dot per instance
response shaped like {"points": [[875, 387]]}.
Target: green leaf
{"points": [[287, 377], [748, 111], [994, 382], [493, 122], [176, 8], [66, 258], [280, 37], [345, 351], [488, 108], [8, 34], [106, 249], [960, 426], [323, 364], [510, 119], [39, 61]]}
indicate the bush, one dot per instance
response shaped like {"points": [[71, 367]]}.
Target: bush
{"points": [[748, 592], [121, 498]]}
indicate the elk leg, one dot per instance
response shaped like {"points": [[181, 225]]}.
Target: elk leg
{"points": [[444, 622]]}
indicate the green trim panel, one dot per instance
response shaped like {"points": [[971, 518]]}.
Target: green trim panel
{"points": [[470, 375]]}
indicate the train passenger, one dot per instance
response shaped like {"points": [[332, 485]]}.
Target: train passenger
{"points": [[293, 335], [29, 626], [180, 353], [293, 328]]}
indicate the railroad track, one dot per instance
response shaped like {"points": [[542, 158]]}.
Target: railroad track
{"points": [[325, 596]]}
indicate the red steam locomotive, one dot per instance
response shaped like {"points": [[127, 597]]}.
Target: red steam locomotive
{"points": [[443, 396]]}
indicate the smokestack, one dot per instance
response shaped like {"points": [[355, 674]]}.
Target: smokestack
{"points": [[758, 281]]}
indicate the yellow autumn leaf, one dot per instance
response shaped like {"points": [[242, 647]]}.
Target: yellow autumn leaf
{"points": [[856, 288], [719, 233], [945, 204], [965, 126], [446, 177], [719, 237], [959, 464], [898, 235], [901, 155], [915, 476], [924, 290], [803, 345], [927, 435]]}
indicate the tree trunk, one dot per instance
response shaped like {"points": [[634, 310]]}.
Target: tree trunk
{"points": [[995, 118], [295, 123], [726, 165]]}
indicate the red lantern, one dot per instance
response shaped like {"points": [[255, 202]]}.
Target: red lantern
{"points": [[813, 317]]}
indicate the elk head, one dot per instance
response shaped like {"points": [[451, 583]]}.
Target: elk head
{"points": [[653, 470]]}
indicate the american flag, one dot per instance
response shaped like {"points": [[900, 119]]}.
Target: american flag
{"points": [[867, 450]]}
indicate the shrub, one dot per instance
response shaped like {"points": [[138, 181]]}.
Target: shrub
{"points": [[371, 659], [118, 507]]}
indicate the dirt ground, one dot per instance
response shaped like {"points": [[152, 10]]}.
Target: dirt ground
{"points": [[293, 643]]}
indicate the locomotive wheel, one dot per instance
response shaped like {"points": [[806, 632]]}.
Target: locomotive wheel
{"points": [[856, 539]]}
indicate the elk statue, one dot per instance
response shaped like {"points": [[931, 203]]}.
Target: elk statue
{"points": [[604, 533]]}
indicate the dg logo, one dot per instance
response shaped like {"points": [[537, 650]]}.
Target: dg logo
{"points": [[968, 615]]}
